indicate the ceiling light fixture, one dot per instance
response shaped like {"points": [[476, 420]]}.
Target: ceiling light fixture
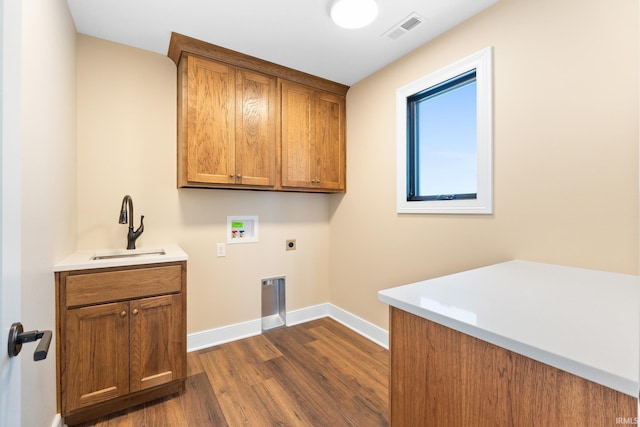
{"points": [[353, 13]]}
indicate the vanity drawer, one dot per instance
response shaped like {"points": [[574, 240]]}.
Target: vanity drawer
{"points": [[95, 288]]}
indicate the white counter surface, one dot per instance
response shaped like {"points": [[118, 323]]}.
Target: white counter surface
{"points": [[83, 260], [585, 322]]}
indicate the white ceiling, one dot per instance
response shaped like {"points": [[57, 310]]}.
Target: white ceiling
{"points": [[295, 33]]}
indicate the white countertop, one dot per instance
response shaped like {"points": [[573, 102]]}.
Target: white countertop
{"points": [[585, 322], [83, 260]]}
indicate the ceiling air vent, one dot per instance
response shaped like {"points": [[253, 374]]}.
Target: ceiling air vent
{"points": [[404, 26]]}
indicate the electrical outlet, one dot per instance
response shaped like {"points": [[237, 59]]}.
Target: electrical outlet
{"points": [[221, 250], [291, 245]]}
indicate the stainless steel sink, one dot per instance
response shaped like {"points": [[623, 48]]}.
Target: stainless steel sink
{"points": [[128, 254]]}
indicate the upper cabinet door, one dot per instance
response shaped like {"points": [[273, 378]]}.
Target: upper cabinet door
{"points": [[245, 123], [228, 135], [210, 133], [313, 138], [329, 147], [256, 110], [296, 135]]}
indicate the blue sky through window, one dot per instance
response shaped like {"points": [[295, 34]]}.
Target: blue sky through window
{"points": [[447, 148]]}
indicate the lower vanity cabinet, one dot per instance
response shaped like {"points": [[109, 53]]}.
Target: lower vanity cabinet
{"points": [[121, 337]]}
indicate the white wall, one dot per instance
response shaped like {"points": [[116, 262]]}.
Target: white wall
{"points": [[566, 168], [48, 185], [127, 145], [10, 118], [565, 154]]}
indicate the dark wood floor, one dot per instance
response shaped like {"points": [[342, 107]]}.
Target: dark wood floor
{"points": [[318, 373]]}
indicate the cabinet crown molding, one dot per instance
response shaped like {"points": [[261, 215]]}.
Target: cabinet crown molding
{"points": [[181, 44]]}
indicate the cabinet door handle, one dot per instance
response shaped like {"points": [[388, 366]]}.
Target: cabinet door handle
{"points": [[135, 312], [230, 175], [123, 313]]}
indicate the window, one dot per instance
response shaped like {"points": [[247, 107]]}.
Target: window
{"points": [[445, 140]]}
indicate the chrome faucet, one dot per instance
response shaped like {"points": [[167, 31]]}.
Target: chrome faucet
{"points": [[124, 218]]}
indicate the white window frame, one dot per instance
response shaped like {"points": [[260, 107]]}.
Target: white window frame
{"points": [[483, 203]]}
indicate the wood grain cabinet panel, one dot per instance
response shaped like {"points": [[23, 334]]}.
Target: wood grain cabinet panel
{"points": [[329, 149], [98, 358], [442, 377], [297, 135], [245, 123], [119, 349], [210, 135], [228, 134], [313, 138], [86, 289], [156, 343], [256, 105]]}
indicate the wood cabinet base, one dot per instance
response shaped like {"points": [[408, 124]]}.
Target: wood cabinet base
{"points": [[80, 416], [121, 337], [441, 377]]}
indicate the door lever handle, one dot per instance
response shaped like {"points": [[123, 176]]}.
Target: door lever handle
{"points": [[17, 337]]}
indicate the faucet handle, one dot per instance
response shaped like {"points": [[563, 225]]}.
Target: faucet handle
{"points": [[141, 228]]}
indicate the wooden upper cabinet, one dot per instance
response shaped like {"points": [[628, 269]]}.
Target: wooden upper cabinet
{"points": [[256, 103], [313, 138], [297, 136], [248, 123], [329, 149], [228, 134], [209, 151]]}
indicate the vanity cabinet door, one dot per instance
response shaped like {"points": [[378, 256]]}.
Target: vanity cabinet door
{"points": [[157, 343], [97, 354]]}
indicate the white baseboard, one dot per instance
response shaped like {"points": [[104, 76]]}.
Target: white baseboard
{"points": [[57, 421], [366, 329], [307, 314], [216, 336]]}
